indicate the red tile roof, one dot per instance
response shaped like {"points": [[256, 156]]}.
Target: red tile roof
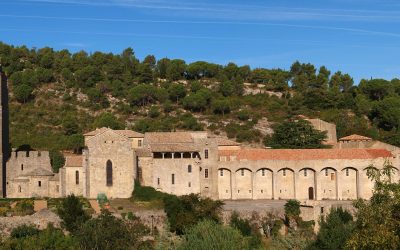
{"points": [[74, 161], [355, 138], [305, 154]]}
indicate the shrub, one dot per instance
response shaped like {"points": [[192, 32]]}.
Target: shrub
{"points": [[141, 193], [24, 231]]}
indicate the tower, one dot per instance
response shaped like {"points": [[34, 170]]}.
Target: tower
{"points": [[4, 131]]}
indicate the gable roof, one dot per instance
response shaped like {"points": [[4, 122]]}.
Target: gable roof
{"points": [[174, 147], [39, 172], [225, 142], [305, 154], [168, 137], [355, 137], [73, 161], [96, 131], [129, 133]]}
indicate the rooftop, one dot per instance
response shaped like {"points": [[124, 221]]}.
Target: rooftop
{"points": [[168, 137], [73, 161], [123, 132], [39, 172], [355, 137], [305, 154]]}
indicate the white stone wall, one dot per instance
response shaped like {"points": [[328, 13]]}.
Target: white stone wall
{"points": [[71, 186]]}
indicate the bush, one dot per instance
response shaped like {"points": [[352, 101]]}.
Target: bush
{"points": [[24, 207], [141, 193], [24, 231]]}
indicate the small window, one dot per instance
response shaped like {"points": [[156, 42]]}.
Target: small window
{"points": [[27, 153], [139, 142], [206, 154], [189, 168], [263, 172], [326, 172], [347, 172], [262, 191], [305, 172], [77, 177], [158, 181], [221, 172], [39, 183], [284, 172], [242, 172], [22, 167], [109, 174], [332, 176], [173, 179], [19, 189], [206, 173], [250, 191], [189, 184], [39, 153]]}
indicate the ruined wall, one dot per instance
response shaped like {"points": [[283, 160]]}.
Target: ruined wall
{"points": [[325, 126]]}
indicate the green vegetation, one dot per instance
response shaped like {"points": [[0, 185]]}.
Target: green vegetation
{"points": [[72, 213], [56, 96]]}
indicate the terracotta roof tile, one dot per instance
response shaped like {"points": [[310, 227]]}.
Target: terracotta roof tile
{"points": [[355, 138], [170, 147], [168, 137], [73, 161], [305, 154], [225, 142], [129, 133]]}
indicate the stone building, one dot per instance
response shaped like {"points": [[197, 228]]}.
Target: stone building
{"points": [[196, 162]]}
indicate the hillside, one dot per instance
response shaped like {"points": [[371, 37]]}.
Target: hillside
{"points": [[56, 96]]}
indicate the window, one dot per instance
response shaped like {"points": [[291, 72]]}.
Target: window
{"points": [[221, 172], [39, 153], [189, 184], [262, 191], [332, 176], [139, 143], [77, 177], [173, 179], [206, 173], [284, 172], [206, 154], [109, 174], [22, 167], [189, 168], [326, 172], [305, 172], [242, 172], [158, 181], [347, 172], [39, 183], [263, 172], [27, 153], [19, 189]]}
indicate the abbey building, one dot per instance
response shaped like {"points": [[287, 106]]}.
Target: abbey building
{"points": [[198, 162]]}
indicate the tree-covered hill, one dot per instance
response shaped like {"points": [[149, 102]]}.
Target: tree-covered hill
{"points": [[55, 96]]}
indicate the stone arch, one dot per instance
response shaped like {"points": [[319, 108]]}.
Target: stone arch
{"points": [[224, 184], [244, 183], [305, 182], [328, 184], [263, 184], [109, 173], [285, 184], [349, 183], [367, 184]]}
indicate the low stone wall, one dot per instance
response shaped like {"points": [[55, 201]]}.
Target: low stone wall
{"points": [[40, 219]]}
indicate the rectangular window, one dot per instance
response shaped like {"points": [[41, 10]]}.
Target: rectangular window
{"points": [[221, 172], [173, 179], [347, 172], [263, 172], [206, 173], [284, 172], [189, 168], [139, 143], [189, 184], [158, 181], [242, 172], [39, 183], [206, 154], [305, 172], [332, 176], [326, 172], [77, 177]]}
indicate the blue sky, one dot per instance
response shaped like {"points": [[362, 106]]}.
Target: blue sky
{"points": [[360, 37]]}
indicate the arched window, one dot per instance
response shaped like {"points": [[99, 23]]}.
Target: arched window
{"points": [[109, 177], [77, 177]]}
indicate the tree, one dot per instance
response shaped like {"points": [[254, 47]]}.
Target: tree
{"points": [[296, 134], [187, 210], [378, 220], [221, 106], [71, 213], [23, 92], [109, 233], [292, 209], [57, 160], [334, 230], [142, 94], [386, 113], [107, 120], [175, 70], [70, 125], [176, 92], [210, 235]]}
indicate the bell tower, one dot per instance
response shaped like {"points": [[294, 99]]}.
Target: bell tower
{"points": [[4, 131]]}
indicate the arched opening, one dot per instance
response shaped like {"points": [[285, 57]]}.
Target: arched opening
{"points": [[327, 184], [306, 179], [311, 193], [263, 184], [224, 184], [244, 183], [285, 183], [349, 184], [109, 173]]}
